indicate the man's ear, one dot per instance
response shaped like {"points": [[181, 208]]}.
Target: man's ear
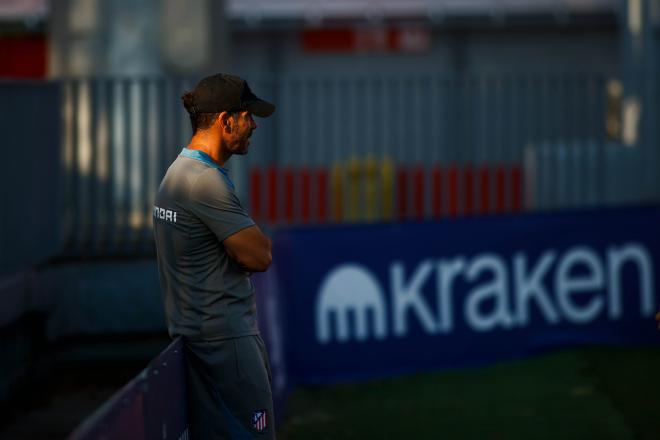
{"points": [[224, 119]]}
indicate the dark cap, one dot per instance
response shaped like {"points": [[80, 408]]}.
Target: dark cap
{"points": [[222, 92]]}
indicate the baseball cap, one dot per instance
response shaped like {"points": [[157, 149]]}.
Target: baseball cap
{"points": [[224, 92]]}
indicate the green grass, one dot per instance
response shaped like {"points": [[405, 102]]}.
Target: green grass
{"points": [[591, 393]]}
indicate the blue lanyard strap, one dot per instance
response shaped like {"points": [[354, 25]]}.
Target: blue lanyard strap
{"points": [[203, 157]]}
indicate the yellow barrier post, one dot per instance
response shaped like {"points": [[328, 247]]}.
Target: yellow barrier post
{"points": [[354, 174], [387, 181], [337, 192], [371, 181]]}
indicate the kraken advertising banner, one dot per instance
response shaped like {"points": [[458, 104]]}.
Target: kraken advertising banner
{"points": [[368, 301]]}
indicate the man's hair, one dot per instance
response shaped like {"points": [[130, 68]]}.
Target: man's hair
{"points": [[198, 121]]}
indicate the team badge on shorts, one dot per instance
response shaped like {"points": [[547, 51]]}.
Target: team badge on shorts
{"points": [[259, 420]]}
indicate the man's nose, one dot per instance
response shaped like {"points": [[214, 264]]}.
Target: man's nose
{"points": [[254, 124]]}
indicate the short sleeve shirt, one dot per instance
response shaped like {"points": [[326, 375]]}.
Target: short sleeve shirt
{"points": [[207, 295]]}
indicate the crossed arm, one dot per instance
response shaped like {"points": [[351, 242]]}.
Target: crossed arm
{"points": [[251, 248]]}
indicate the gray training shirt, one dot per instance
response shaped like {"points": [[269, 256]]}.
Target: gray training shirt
{"points": [[207, 295]]}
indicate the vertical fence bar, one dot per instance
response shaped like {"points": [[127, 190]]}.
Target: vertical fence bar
{"points": [[144, 235], [166, 122], [354, 176], [321, 140], [468, 189], [437, 128], [273, 188], [517, 188], [322, 194], [306, 194], [437, 191], [484, 188], [88, 162], [508, 157], [419, 110], [465, 186], [582, 137], [338, 192], [370, 182], [500, 189], [387, 184], [563, 153], [529, 154], [155, 149], [497, 158], [94, 177], [128, 112], [301, 193], [336, 137], [289, 195], [600, 139], [484, 140], [402, 191], [368, 188], [101, 134], [452, 187], [74, 170], [65, 161], [418, 191], [111, 224]]}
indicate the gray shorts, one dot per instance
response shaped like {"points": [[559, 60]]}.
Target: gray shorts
{"points": [[229, 393]]}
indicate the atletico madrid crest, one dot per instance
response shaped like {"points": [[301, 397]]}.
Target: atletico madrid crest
{"points": [[259, 420]]}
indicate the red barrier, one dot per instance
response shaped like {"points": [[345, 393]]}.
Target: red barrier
{"points": [[468, 195], [289, 195], [500, 189], [402, 192], [453, 190], [272, 194], [484, 190], [306, 190], [437, 191], [255, 193], [322, 196], [477, 191], [418, 191], [516, 188], [24, 56]]}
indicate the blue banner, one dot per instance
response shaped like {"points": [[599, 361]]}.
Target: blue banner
{"points": [[379, 300], [270, 325]]}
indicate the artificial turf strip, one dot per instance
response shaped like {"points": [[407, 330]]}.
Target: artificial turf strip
{"points": [[591, 393]]}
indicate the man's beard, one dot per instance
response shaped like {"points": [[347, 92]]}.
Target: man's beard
{"points": [[243, 146]]}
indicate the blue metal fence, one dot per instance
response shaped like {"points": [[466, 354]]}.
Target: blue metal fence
{"points": [[120, 134], [119, 137]]}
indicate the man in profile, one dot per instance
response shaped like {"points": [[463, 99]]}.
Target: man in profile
{"points": [[207, 248]]}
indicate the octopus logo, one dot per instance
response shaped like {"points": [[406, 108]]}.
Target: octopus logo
{"points": [[350, 291]]}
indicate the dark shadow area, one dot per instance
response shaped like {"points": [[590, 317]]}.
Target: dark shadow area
{"points": [[67, 381]]}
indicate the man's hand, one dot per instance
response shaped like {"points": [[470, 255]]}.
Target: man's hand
{"points": [[250, 248]]}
